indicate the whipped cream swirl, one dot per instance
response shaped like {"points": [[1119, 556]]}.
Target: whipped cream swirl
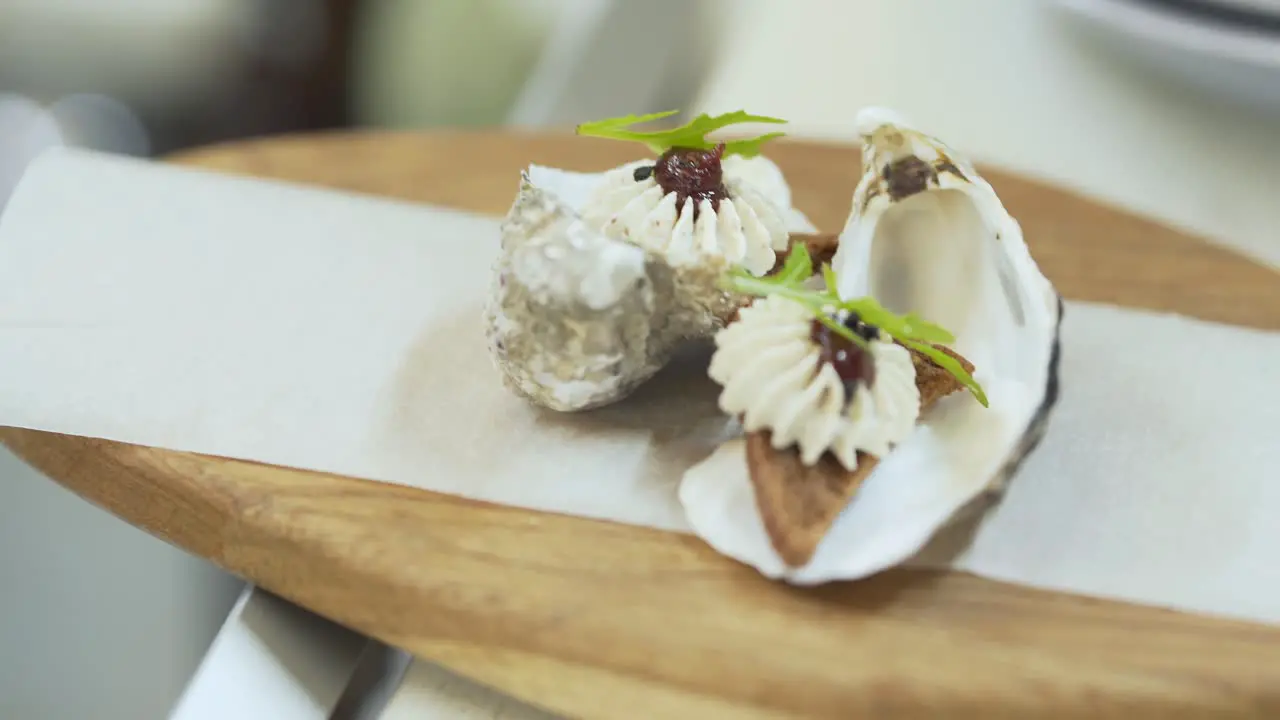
{"points": [[745, 229], [761, 174], [774, 376]]}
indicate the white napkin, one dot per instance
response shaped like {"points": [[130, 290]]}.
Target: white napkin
{"points": [[168, 307]]}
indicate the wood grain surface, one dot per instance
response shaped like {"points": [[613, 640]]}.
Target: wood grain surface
{"points": [[599, 620]]}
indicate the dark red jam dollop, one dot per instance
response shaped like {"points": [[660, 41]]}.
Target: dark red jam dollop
{"points": [[690, 173], [853, 364]]}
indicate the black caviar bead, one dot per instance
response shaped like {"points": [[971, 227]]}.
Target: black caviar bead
{"points": [[866, 331]]}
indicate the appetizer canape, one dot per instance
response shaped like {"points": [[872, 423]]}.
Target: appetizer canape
{"points": [[859, 446], [601, 276]]}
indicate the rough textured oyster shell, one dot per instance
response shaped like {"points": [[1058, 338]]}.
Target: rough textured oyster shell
{"points": [[925, 234], [577, 319]]}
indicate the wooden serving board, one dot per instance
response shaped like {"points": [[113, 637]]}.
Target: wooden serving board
{"points": [[599, 620]]}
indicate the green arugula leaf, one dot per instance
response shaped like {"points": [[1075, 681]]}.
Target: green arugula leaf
{"points": [[922, 329], [909, 326], [626, 120], [797, 268], [830, 281], [746, 284], [911, 330], [951, 365], [750, 147], [614, 127], [691, 135]]}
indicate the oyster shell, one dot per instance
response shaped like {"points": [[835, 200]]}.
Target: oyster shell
{"points": [[926, 234], [583, 309]]}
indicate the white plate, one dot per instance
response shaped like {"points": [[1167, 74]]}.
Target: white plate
{"points": [[1236, 59]]}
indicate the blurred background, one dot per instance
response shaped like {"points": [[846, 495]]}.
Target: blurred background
{"points": [[1168, 107]]}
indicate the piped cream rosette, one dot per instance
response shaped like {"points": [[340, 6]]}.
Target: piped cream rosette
{"points": [[775, 377], [744, 229]]}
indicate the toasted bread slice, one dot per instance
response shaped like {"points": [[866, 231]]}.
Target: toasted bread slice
{"points": [[822, 248], [799, 503]]}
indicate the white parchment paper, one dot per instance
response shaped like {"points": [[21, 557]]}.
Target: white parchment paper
{"points": [[168, 307]]}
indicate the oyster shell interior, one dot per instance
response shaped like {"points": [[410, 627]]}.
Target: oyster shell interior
{"points": [[926, 234]]}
